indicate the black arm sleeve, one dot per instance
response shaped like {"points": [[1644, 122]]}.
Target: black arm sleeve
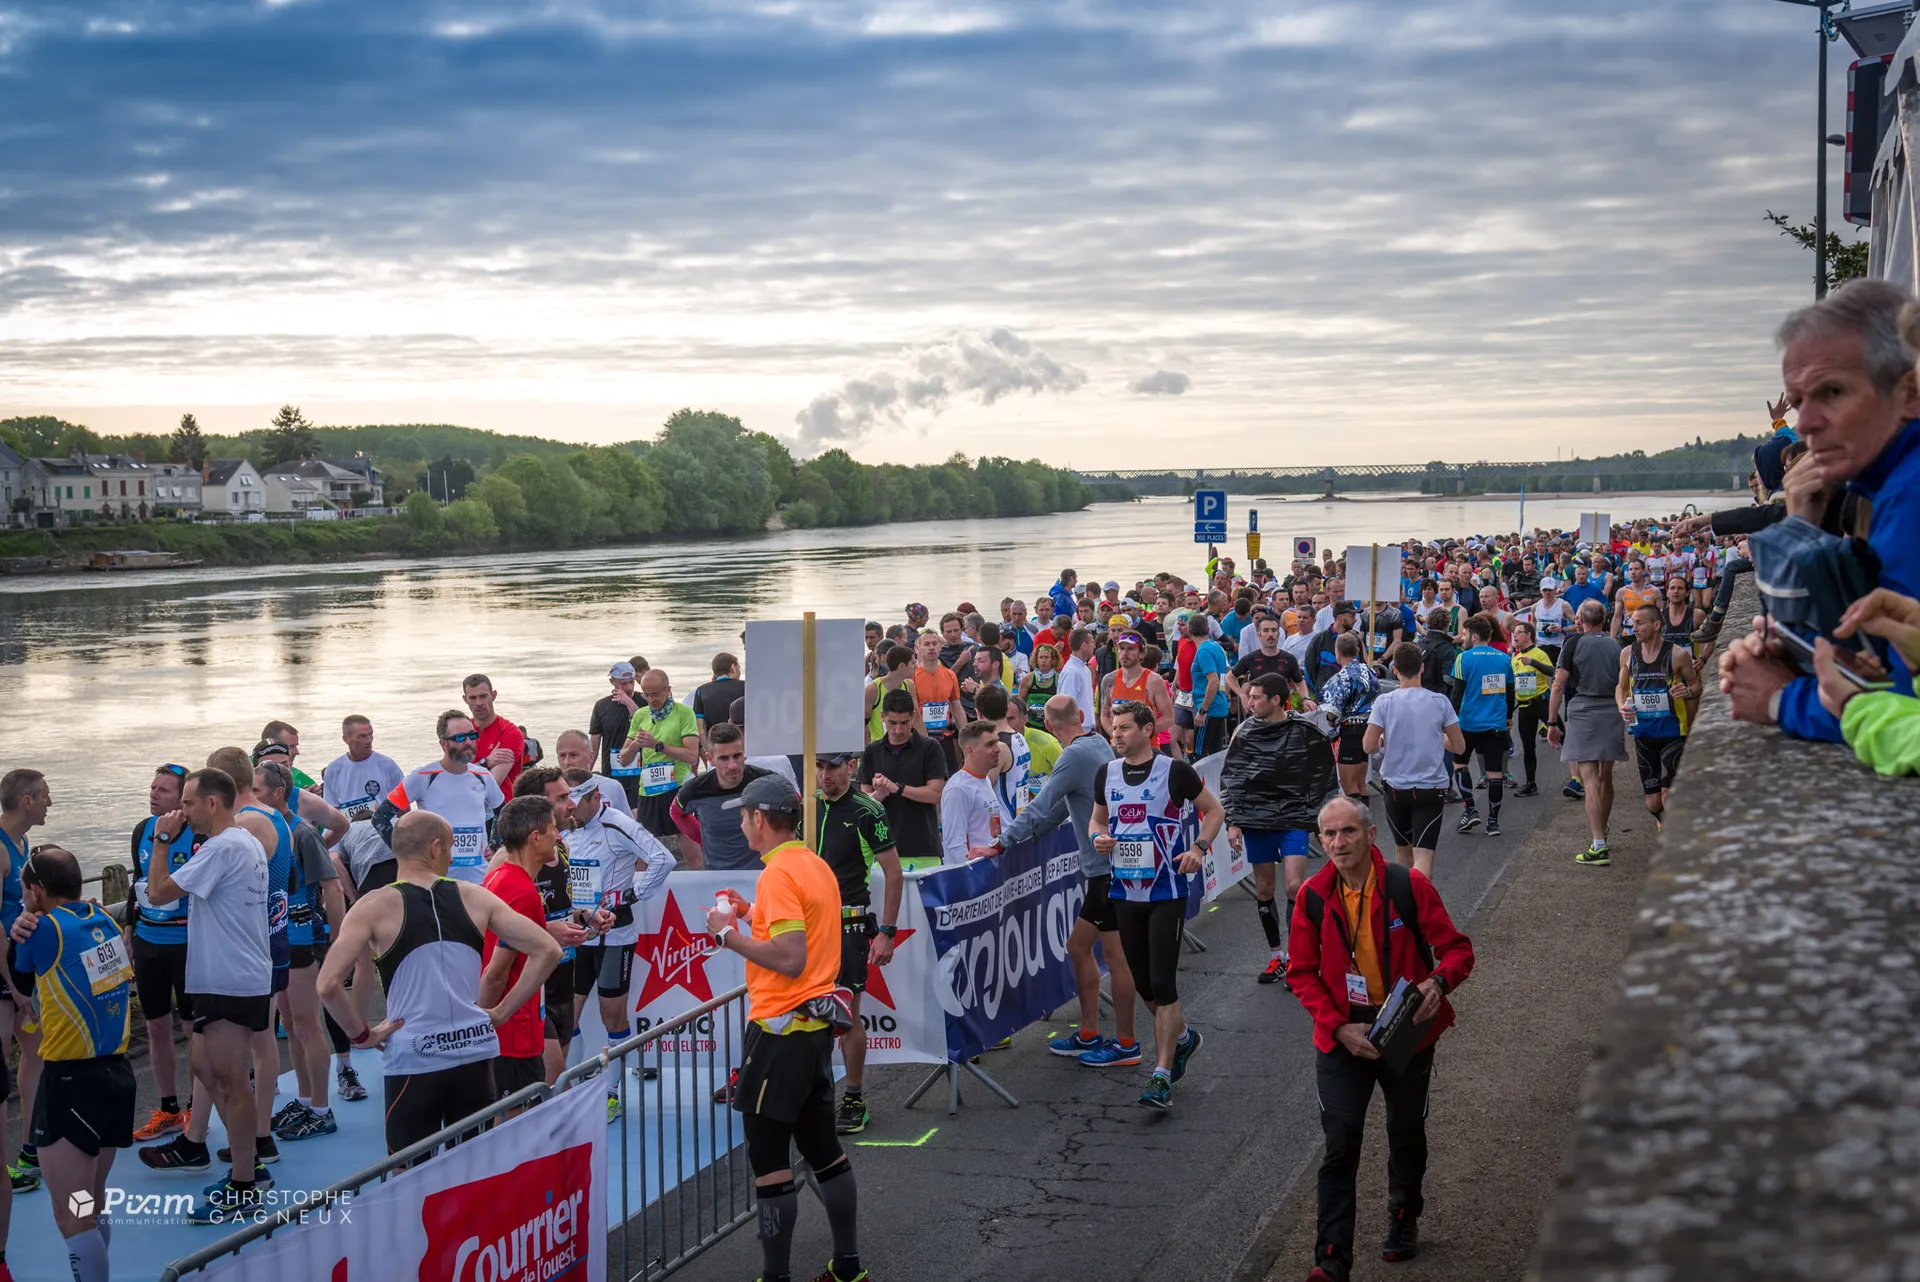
{"points": [[1748, 520], [383, 820]]}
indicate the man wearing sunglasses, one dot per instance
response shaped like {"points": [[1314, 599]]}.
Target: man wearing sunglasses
{"points": [[464, 797], [1131, 683], [158, 939]]}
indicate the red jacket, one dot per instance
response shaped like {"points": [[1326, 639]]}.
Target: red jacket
{"points": [[1318, 960]]}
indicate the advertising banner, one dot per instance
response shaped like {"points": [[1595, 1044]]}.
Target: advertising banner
{"points": [[524, 1202]]}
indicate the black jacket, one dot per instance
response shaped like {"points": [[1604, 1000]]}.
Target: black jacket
{"points": [[1436, 673], [1277, 774]]}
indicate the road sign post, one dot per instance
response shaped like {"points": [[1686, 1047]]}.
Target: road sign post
{"points": [[1210, 516], [1253, 539]]}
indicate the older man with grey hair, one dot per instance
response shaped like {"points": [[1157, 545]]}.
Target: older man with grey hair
{"points": [[1848, 366]]}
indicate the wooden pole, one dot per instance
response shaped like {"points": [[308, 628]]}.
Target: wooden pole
{"points": [[807, 722]]}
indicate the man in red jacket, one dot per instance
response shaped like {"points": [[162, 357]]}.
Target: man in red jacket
{"points": [[1349, 942]]}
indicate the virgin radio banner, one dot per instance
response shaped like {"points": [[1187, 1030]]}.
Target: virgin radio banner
{"points": [[999, 929], [676, 968], [523, 1202]]}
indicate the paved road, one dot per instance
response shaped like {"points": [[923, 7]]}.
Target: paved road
{"points": [[1080, 1182]]}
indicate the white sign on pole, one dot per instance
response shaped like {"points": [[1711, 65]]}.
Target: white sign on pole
{"points": [[774, 686], [1373, 572], [1596, 527]]}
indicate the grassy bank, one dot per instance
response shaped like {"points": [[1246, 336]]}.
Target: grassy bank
{"points": [[236, 544]]}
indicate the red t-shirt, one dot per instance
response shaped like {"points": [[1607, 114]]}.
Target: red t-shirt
{"points": [[1183, 664], [502, 733], [522, 1036]]}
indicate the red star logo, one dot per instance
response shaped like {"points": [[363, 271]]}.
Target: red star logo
{"points": [[675, 958], [877, 975]]}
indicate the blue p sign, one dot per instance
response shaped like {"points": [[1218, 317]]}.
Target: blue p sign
{"points": [[1210, 505]]}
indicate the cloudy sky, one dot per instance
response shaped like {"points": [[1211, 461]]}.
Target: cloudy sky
{"points": [[1094, 231]]}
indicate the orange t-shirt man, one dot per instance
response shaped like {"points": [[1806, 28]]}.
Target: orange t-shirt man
{"points": [[797, 891], [936, 688]]}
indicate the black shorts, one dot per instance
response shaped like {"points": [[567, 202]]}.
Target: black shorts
{"points": [[1353, 744], [856, 942], [384, 873], [21, 981], [1659, 759], [418, 1104], [609, 967], [282, 976], [1096, 907], [782, 1075], [255, 1014], [655, 814], [1183, 717], [1492, 746], [557, 999], [512, 1073], [160, 979], [305, 955], [87, 1102], [1414, 815]]}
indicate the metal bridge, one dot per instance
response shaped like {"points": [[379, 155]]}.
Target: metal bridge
{"points": [[1710, 470]]}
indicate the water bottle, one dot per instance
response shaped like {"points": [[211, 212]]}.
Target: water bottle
{"points": [[722, 905]]}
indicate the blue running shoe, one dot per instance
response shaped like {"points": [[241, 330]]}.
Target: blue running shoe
{"points": [[1184, 1050], [1111, 1054], [1075, 1046], [224, 1204], [1159, 1092]]}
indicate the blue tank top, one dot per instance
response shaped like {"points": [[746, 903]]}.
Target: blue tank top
{"points": [[161, 923], [10, 893], [279, 861]]}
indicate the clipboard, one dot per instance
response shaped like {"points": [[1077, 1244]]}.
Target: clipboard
{"points": [[1396, 1034]]}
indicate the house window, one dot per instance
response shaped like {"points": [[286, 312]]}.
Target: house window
{"points": [[246, 480], [143, 488], [69, 490], [123, 489], [236, 499], [86, 492]]}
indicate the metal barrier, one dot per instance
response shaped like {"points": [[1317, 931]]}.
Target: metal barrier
{"points": [[687, 1162]]}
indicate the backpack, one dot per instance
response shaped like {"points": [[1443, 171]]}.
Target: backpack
{"points": [[1808, 577], [1400, 895]]}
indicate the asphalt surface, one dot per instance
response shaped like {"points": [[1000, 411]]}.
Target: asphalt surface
{"points": [[1079, 1181]]}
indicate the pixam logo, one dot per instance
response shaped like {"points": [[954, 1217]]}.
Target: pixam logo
{"points": [[530, 1224]]}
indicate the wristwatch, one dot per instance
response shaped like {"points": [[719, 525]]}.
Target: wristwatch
{"points": [[720, 939], [889, 931]]}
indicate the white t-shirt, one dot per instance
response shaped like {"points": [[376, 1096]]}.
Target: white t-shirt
{"points": [[970, 815], [357, 787], [1076, 679], [778, 765], [1415, 721], [464, 801], [227, 929]]}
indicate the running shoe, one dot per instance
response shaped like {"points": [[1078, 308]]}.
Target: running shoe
{"points": [[1403, 1237], [178, 1154], [725, 1094], [225, 1204], [1111, 1054], [1527, 790], [1275, 969], [852, 1116], [312, 1126], [1328, 1272], [1074, 1045], [346, 1084], [262, 1180], [828, 1275], [1159, 1092], [1185, 1049], [614, 1109], [1594, 857], [29, 1156], [160, 1123], [294, 1114], [1453, 797], [1468, 822], [1492, 828], [23, 1178], [646, 1072], [1574, 790], [1004, 1044], [264, 1151]]}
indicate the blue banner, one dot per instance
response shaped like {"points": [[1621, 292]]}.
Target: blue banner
{"points": [[1000, 930]]}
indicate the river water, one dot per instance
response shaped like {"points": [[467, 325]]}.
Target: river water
{"points": [[105, 676]]}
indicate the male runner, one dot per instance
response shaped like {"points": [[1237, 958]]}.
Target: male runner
{"points": [[1417, 733], [936, 693], [663, 740], [426, 932], [158, 939], [1131, 683], [710, 836], [1267, 658], [906, 772], [970, 810], [530, 838], [573, 750], [608, 723], [452, 789], [1532, 678], [1483, 688], [791, 938], [1141, 823], [354, 781], [1657, 688], [84, 1109], [501, 748], [853, 838]]}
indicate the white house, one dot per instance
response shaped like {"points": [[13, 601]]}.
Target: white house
{"points": [[304, 484], [176, 488], [11, 482], [232, 487]]}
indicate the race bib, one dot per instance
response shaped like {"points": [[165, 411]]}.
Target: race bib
{"points": [[107, 965], [1650, 701], [1549, 626], [1493, 683], [1133, 860], [580, 881], [657, 778], [1379, 643], [1526, 684], [934, 716], [624, 772], [1356, 989], [1183, 699], [1699, 576], [467, 843]]}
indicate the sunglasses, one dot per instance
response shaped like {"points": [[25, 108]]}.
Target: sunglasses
{"points": [[178, 772], [469, 737]]}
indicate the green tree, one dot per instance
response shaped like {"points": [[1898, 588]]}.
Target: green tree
{"points": [[448, 478], [631, 502], [470, 525], [187, 445], [504, 499], [559, 506], [1846, 260], [289, 439], [780, 465], [44, 436], [426, 524], [714, 472]]}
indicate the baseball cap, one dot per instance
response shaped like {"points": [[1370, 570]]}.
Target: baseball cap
{"points": [[269, 748], [1111, 585], [1119, 621], [1346, 607], [769, 793], [833, 758], [620, 672]]}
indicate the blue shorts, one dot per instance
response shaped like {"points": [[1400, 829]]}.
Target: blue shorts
{"points": [[1270, 847]]}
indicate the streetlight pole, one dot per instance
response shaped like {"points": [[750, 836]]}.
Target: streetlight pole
{"points": [[1820, 169]]}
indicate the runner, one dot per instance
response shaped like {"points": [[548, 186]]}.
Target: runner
{"points": [[897, 676], [663, 740], [1417, 733], [791, 938], [1679, 617], [907, 772], [355, 781], [229, 979], [466, 798], [1076, 677], [1484, 691], [1532, 679], [1322, 654], [1278, 770], [308, 804], [1142, 824], [1656, 694], [1039, 749], [1267, 659], [83, 1111], [1634, 594], [716, 842], [283, 735], [558, 1016], [853, 838], [158, 942], [1131, 683], [608, 726], [937, 690], [501, 748], [25, 800], [531, 840], [971, 813], [1347, 698], [712, 703], [1211, 706], [1550, 618], [1040, 684], [573, 750], [426, 932]]}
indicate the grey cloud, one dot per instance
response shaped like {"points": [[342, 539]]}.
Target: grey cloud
{"points": [[1162, 382], [983, 367]]}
